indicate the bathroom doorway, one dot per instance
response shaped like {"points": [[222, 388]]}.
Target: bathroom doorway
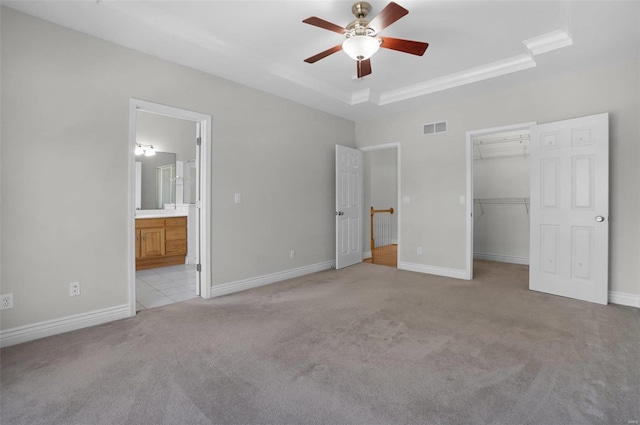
{"points": [[169, 182]]}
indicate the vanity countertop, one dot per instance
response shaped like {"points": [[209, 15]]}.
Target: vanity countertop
{"points": [[161, 214]]}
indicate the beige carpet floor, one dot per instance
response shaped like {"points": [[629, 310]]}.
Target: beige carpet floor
{"points": [[364, 345]]}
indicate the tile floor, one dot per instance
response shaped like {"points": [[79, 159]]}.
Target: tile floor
{"points": [[165, 285]]}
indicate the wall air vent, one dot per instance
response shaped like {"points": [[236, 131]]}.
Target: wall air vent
{"points": [[434, 127]]}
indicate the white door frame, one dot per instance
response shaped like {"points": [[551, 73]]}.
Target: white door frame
{"points": [[396, 146], [469, 195], [204, 255]]}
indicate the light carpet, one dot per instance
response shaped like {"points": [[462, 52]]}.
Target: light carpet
{"points": [[363, 345]]}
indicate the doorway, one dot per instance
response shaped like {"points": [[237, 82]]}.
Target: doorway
{"points": [[381, 204], [193, 207], [498, 198]]}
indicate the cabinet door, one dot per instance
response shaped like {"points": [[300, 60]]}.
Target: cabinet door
{"points": [[176, 233], [176, 247], [152, 243], [138, 244]]}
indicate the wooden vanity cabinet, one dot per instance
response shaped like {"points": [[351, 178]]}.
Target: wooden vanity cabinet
{"points": [[160, 242]]}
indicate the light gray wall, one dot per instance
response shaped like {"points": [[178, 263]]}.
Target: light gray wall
{"points": [[501, 229], [380, 188], [433, 167], [167, 134], [65, 156]]}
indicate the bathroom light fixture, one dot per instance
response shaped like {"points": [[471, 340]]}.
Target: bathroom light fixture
{"points": [[146, 150]]}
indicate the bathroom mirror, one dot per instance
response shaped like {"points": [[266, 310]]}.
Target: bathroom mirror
{"points": [[168, 177], [157, 180]]}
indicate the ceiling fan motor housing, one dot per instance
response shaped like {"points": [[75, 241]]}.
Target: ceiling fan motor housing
{"points": [[359, 27], [361, 9]]}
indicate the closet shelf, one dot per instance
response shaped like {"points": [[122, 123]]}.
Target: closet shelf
{"points": [[501, 147], [496, 201]]}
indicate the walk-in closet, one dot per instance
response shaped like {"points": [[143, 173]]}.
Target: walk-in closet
{"points": [[501, 173]]}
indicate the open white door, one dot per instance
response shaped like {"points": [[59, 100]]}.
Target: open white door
{"points": [[349, 185], [570, 208], [198, 215]]}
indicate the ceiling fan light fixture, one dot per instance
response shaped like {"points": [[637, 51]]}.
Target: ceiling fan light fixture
{"points": [[360, 47]]}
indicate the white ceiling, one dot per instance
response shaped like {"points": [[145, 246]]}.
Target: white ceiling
{"points": [[262, 44]]}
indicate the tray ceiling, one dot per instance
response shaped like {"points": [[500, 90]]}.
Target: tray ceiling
{"points": [[262, 44]]}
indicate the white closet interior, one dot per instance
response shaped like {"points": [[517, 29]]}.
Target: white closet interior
{"points": [[501, 172]]}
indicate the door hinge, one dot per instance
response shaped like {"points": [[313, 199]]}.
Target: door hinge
{"points": [[198, 204], [198, 267], [199, 141]]}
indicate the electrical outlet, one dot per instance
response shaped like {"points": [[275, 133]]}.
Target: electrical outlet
{"points": [[419, 250], [6, 301], [74, 289], [292, 254]]}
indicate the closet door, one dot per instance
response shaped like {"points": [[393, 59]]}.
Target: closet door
{"points": [[570, 208]]}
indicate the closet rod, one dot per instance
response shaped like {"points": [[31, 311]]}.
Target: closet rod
{"points": [[521, 139], [497, 201]]}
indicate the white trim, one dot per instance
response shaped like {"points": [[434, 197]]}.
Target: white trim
{"points": [[435, 270], [254, 282], [361, 96], [367, 254], [204, 120], [547, 42], [469, 192], [383, 146], [623, 298], [480, 73], [39, 330], [397, 147], [501, 258]]}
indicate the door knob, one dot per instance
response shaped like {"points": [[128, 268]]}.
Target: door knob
{"points": [[599, 219]]}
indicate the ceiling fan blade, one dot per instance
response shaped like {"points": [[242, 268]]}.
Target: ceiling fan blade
{"points": [[324, 54], [391, 13], [321, 23], [364, 68], [407, 46]]}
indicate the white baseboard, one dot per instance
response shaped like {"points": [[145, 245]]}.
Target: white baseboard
{"points": [[501, 258], [254, 282], [366, 255], [624, 298], [39, 330], [439, 271]]}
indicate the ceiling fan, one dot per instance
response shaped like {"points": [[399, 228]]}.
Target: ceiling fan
{"points": [[361, 36]]}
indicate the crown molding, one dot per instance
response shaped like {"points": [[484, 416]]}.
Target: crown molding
{"points": [[484, 72], [536, 45], [548, 42], [360, 96]]}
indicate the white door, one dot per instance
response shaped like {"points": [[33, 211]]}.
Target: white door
{"points": [[570, 208], [349, 184], [198, 201]]}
